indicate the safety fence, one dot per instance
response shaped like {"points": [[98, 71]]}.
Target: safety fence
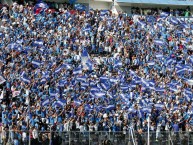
{"points": [[34, 137]]}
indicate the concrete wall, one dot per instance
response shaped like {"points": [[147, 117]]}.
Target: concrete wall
{"points": [[100, 5], [95, 4], [123, 8]]}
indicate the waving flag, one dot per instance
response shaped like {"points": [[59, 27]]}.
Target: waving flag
{"points": [[99, 94], [184, 26], [77, 71], [2, 94], [150, 18], [66, 66], [36, 63], [15, 93], [104, 12], [105, 83], [38, 43], [81, 78], [45, 74], [110, 107], [2, 80], [174, 21], [24, 78], [80, 7], [20, 41], [191, 59], [39, 7], [159, 106], [159, 42], [164, 14], [58, 69], [142, 24], [15, 46], [45, 102], [1, 34], [169, 61], [85, 53], [151, 63], [159, 56], [62, 83], [76, 102], [60, 103], [160, 90], [190, 82], [89, 64], [117, 64], [43, 81]]}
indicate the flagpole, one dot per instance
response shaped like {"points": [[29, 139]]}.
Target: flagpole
{"points": [[148, 142], [29, 122]]}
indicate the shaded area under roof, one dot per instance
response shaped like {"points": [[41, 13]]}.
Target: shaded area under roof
{"points": [[160, 2]]}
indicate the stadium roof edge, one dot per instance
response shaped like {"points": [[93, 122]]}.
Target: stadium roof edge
{"points": [[158, 2]]}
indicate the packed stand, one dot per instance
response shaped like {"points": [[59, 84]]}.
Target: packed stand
{"points": [[94, 71]]}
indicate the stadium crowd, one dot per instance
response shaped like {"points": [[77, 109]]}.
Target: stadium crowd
{"points": [[94, 71]]}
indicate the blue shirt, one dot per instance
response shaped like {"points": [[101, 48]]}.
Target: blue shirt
{"points": [[176, 128]]}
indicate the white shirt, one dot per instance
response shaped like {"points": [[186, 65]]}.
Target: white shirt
{"points": [[81, 127], [35, 133]]}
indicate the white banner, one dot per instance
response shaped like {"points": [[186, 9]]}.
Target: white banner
{"points": [[2, 80]]}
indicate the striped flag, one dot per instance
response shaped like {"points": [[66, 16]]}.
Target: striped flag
{"points": [[159, 42], [60, 103], [164, 14], [45, 102], [77, 71], [36, 63], [38, 43], [174, 20], [24, 78]]}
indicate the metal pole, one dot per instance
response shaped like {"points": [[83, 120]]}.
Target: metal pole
{"points": [[129, 138], [188, 138], [89, 137], [50, 135], [29, 138], [29, 122], [69, 137], [148, 142], [9, 140]]}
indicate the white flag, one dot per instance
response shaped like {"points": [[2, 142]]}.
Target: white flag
{"points": [[2, 80], [2, 94], [15, 93]]}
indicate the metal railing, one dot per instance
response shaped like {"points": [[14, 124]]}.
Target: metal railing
{"points": [[12, 137]]}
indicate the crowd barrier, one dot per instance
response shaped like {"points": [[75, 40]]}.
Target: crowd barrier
{"points": [[95, 138]]}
